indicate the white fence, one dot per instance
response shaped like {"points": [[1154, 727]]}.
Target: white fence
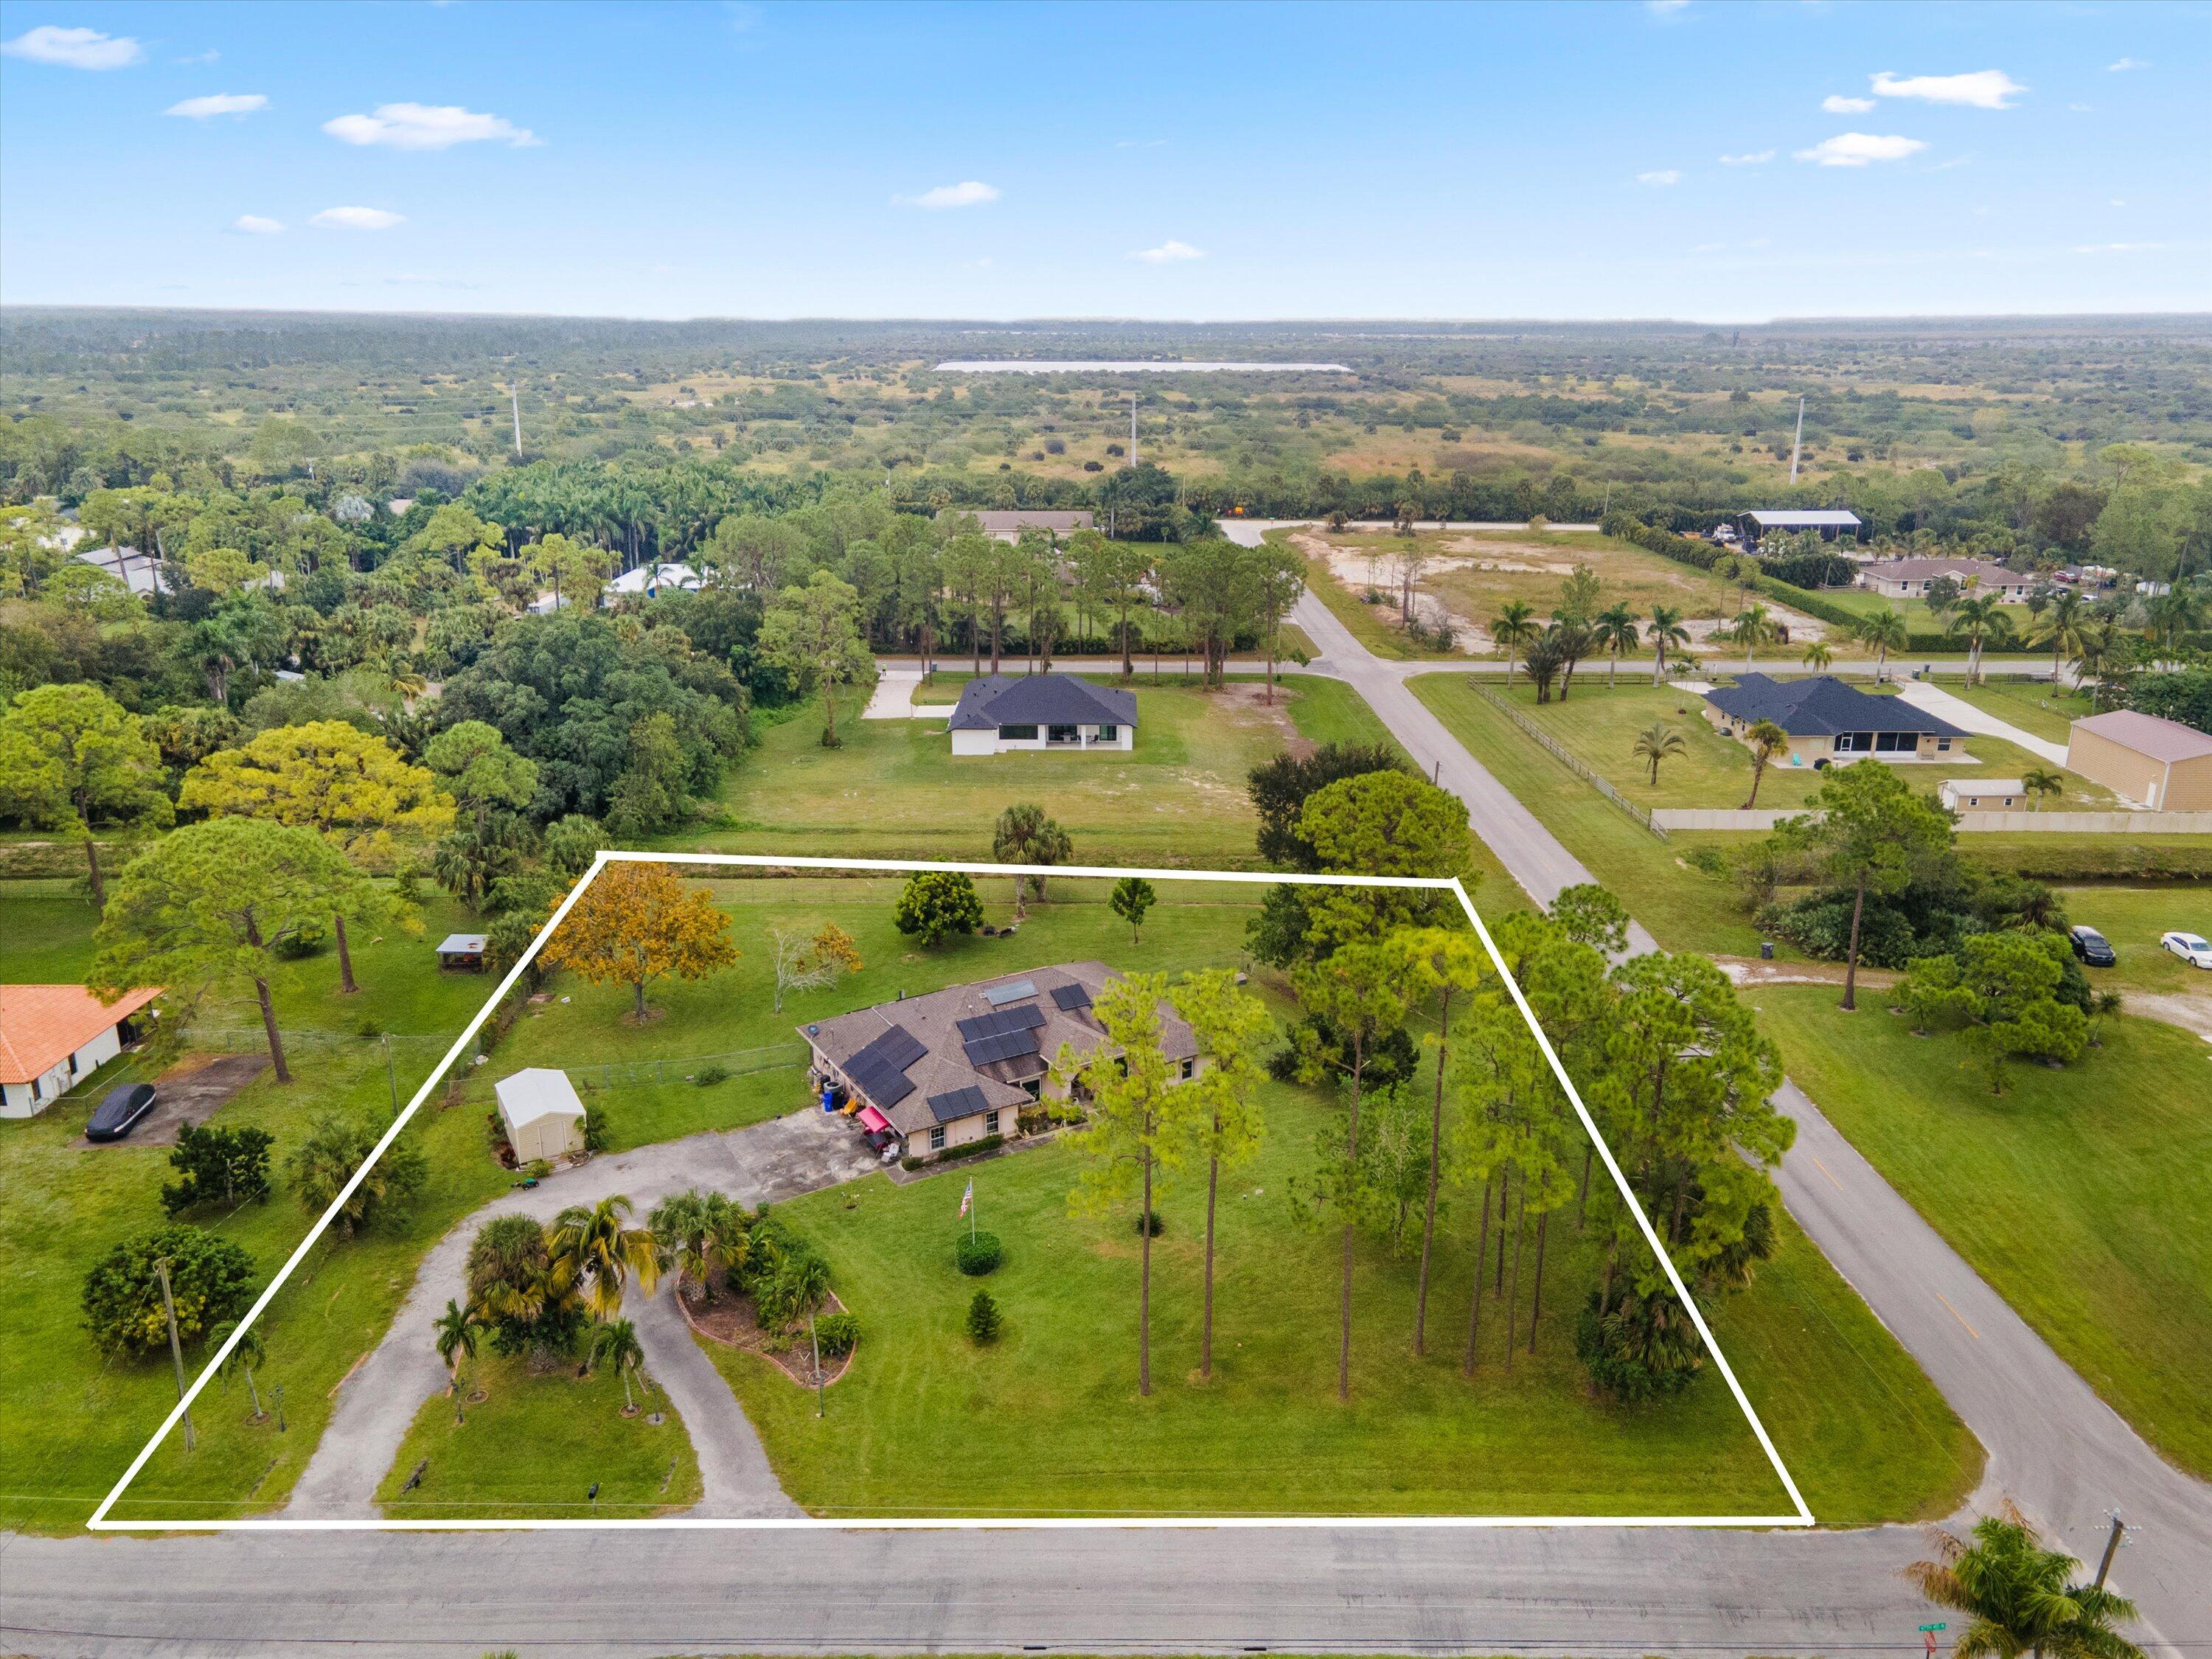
{"points": [[2048, 823]]}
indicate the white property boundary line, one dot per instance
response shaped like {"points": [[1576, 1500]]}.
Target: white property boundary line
{"points": [[1802, 1515]]}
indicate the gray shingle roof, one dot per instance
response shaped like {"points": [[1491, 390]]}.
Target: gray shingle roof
{"points": [[999, 700], [1821, 707]]}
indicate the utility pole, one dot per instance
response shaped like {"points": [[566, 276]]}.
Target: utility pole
{"points": [[391, 1075], [1133, 429], [176, 1346], [1796, 445], [2111, 1549], [514, 394]]}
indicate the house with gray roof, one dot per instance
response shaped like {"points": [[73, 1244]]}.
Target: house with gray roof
{"points": [[1830, 723], [948, 1067], [1002, 712]]}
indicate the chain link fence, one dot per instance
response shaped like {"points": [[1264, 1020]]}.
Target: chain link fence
{"points": [[1559, 752]]}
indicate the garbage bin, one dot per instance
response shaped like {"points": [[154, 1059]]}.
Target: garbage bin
{"points": [[1766, 950]]}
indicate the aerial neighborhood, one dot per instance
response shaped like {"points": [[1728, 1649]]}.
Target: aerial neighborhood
{"points": [[1455, 985]]}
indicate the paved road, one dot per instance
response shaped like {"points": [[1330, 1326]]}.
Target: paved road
{"points": [[766, 1161]]}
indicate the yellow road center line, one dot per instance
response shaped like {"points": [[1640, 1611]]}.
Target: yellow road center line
{"points": [[1956, 1315], [1823, 1169]]}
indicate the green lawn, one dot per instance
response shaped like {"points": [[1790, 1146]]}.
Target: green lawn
{"points": [[1599, 725], [71, 1419], [535, 1447], [2037, 707], [1049, 1420], [2132, 918], [2083, 1195], [894, 790], [1683, 908]]}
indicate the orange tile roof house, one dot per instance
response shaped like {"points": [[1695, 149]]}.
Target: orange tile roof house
{"points": [[2154, 762], [52, 1035]]}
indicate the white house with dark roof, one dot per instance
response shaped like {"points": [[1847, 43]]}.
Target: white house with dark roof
{"points": [[1830, 723], [1000, 713], [941, 1070]]}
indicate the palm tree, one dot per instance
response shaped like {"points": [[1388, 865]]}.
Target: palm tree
{"points": [[1654, 743], [1513, 627], [2063, 626], [1882, 632], [2015, 1597], [2172, 613], [1767, 740], [1754, 625], [2102, 654], [1548, 655], [617, 1342], [1025, 836], [2041, 780], [1818, 656], [457, 1330], [1980, 618], [1668, 633], [700, 1232], [591, 1248], [1575, 639], [245, 1357], [1617, 631]]}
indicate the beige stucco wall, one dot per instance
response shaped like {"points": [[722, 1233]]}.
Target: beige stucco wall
{"points": [[2126, 772], [548, 1138]]}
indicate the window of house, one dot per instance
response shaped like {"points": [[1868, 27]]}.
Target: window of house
{"points": [[72, 1064], [937, 1139], [991, 1124], [1018, 733], [1110, 734], [1943, 746], [35, 1094], [1190, 1068], [1890, 742], [1063, 734]]}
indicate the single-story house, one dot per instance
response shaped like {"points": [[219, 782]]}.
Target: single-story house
{"points": [[651, 579], [541, 1114], [1828, 721], [1008, 524], [2158, 764], [462, 950], [1908, 578], [948, 1067], [1827, 523], [1003, 712], [1983, 795], [51, 1036], [139, 572]]}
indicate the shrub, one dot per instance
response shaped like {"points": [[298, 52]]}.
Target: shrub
{"points": [[231, 1165], [838, 1334], [954, 1154], [595, 1129], [977, 1253], [1158, 1223], [1643, 1348], [708, 1076], [211, 1280], [983, 1321], [303, 941]]}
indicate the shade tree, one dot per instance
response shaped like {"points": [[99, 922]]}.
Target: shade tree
{"points": [[72, 757], [637, 923]]}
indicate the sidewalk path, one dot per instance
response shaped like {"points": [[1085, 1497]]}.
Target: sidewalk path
{"points": [[1934, 700], [378, 1403], [893, 698]]}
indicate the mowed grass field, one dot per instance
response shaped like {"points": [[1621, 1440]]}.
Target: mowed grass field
{"points": [[537, 1444], [2037, 707], [2084, 1195], [1599, 725], [70, 1417], [894, 789], [2132, 918], [1049, 1420]]}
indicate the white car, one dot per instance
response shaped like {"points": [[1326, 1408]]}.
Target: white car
{"points": [[2189, 947]]}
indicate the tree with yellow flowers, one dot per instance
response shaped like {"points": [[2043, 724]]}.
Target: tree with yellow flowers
{"points": [[348, 785], [636, 923]]}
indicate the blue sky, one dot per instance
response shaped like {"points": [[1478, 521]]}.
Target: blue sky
{"points": [[1201, 162]]}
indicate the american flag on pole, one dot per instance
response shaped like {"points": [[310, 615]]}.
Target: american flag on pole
{"points": [[968, 1197]]}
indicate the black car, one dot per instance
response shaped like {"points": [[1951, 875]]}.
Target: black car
{"points": [[119, 1115], [2090, 946]]}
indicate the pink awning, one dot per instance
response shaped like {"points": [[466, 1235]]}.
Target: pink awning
{"points": [[871, 1119]]}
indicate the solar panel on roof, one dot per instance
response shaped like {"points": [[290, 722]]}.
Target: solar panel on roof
{"points": [[1069, 998], [996, 994], [958, 1103], [897, 1048], [1004, 1046], [886, 1086], [1025, 1018]]}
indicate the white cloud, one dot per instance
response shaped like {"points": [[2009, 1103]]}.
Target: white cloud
{"points": [[1660, 176], [1856, 149], [2124, 65], [969, 192], [84, 49], [1836, 104], [428, 126], [1665, 7], [208, 57], [2120, 247], [1751, 158], [357, 218], [219, 103], [1168, 254], [1981, 89], [252, 224]]}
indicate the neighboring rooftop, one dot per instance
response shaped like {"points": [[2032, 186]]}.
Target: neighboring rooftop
{"points": [[1821, 519], [42, 1025], [999, 700], [1918, 570], [1821, 707], [927, 1060], [1011, 521], [139, 572], [2147, 734]]}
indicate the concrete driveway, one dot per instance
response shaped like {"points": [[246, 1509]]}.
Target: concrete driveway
{"points": [[761, 1163]]}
